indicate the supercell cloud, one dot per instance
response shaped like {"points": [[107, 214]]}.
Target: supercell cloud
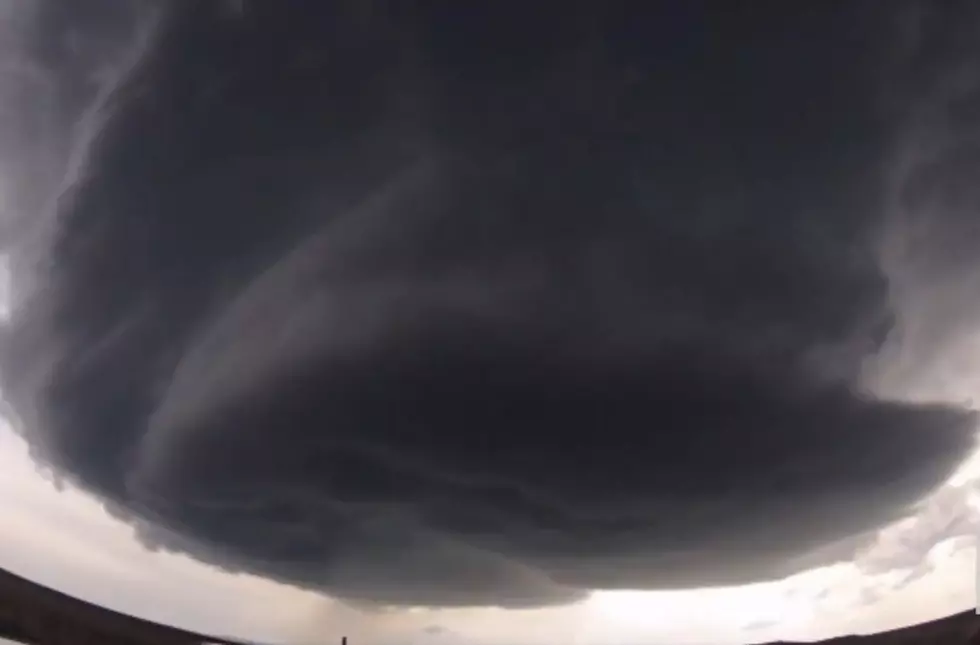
{"points": [[486, 305]]}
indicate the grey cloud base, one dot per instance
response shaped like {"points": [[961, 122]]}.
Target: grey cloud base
{"points": [[382, 310]]}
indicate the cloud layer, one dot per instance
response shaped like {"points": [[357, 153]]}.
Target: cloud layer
{"points": [[486, 307]]}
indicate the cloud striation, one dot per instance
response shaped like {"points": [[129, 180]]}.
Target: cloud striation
{"points": [[483, 304]]}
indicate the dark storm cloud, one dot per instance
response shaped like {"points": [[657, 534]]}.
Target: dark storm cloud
{"points": [[485, 306], [56, 59]]}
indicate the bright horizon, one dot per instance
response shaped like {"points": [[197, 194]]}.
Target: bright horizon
{"points": [[66, 540], [919, 568]]}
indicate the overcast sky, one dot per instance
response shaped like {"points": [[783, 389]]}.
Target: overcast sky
{"points": [[443, 319]]}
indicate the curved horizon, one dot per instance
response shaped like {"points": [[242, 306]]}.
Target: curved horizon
{"points": [[484, 324]]}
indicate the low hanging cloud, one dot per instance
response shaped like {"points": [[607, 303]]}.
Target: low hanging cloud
{"points": [[479, 307]]}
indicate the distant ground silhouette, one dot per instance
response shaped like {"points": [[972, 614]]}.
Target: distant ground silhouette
{"points": [[34, 614], [959, 629]]}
